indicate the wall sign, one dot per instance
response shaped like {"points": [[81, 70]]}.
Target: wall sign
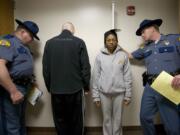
{"points": [[131, 10]]}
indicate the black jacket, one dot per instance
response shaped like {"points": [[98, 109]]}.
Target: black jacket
{"points": [[66, 67]]}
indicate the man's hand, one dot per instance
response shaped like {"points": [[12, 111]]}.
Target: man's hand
{"points": [[98, 103], [126, 102], [176, 82], [6, 81], [16, 97], [129, 54]]}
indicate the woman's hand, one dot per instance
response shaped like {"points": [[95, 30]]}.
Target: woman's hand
{"points": [[126, 102], [98, 103]]}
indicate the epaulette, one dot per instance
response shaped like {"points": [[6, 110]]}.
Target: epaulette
{"points": [[8, 36], [174, 36]]}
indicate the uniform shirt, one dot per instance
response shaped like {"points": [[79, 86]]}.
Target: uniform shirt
{"points": [[163, 55], [20, 62]]}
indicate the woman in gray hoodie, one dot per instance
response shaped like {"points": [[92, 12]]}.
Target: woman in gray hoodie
{"points": [[111, 83]]}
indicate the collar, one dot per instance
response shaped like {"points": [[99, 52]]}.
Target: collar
{"points": [[156, 41], [17, 39], [105, 50], [162, 38], [66, 32], [19, 42]]}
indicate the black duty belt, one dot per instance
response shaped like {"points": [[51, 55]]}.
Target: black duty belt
{"points": [[23, 80], [149, 78]]}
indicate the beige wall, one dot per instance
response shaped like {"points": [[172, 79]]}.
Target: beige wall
{"points": [[92, 19]]}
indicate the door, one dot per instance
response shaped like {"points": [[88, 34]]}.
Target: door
{"points": [[6, 16]]}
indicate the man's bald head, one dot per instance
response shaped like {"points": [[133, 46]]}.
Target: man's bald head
{"points": [[68, 26]]}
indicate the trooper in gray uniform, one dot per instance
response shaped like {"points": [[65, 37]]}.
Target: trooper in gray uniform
{"points": [[16, 76], [161, 52]]}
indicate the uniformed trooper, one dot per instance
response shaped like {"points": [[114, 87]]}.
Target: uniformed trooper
{"points": [[16, 76], [161, 52]]}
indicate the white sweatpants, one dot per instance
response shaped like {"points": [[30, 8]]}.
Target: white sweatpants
{"points": [[112, 106]]}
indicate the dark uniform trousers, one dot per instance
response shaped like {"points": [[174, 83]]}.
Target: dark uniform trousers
{"points": [[163, 55], [12, 117], [68, 113], [153, 102]]}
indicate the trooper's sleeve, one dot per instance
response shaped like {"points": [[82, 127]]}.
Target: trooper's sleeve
{"points": [[138, 54], [177, 42], [7, 50]]}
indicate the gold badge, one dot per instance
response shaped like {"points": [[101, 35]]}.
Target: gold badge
{"points": [[5, 43], [166, 42]]}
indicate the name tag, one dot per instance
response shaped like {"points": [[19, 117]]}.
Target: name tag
{"points": [[166, 49]]}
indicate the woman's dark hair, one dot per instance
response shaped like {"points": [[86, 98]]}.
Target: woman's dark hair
{"points": [[110, 32]]}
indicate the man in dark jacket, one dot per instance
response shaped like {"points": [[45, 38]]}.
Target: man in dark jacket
{"points": [[66, 72]]}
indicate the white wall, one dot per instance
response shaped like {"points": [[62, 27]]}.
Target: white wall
{"points": [[92, 19]]}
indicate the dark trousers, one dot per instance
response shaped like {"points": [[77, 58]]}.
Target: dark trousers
{"points": [[12, 117], [151, 103], [68, 113]]}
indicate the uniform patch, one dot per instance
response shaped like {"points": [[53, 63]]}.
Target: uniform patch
{"points": [[179, 39], [121, 62], [5, 43], [142, 46]]}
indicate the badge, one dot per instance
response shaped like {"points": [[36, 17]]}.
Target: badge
{"points": [[166, 42], [5, 43]]}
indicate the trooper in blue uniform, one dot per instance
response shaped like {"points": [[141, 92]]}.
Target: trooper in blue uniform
{"points": [[16, 76], [160, 52]]}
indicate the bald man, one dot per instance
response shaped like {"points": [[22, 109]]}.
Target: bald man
{"points": [[66, 72]]}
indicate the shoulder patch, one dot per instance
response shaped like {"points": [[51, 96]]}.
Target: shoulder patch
{"points": [[121, 61], [142, 46], [5, 43], [178, 39]]}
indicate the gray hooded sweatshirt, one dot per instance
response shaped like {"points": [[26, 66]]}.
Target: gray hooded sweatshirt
{"points": [[111, 74]]}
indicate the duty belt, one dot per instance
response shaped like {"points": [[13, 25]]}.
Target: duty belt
{"points": [[149, 78], [23, 80]]}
